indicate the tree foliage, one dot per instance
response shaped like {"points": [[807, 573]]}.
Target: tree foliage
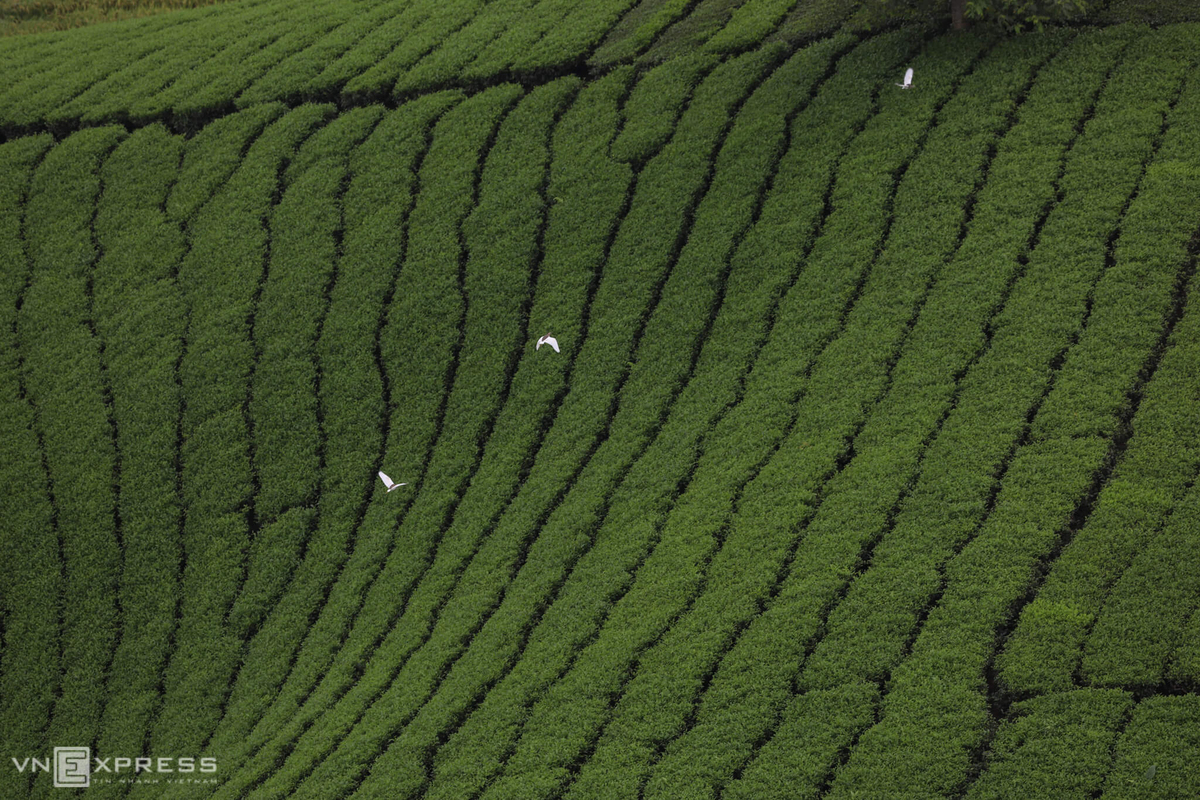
{"points": [[1021, 15], [1012, 15]]}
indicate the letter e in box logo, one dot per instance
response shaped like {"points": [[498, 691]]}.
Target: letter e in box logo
{"points": [[72, 767]]}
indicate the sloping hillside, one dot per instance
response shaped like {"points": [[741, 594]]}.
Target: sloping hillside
{"points": [[865, 465]]}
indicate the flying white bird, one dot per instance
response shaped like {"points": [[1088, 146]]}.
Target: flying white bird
{"points": [[389, 483], [550, 340], [907, 79]]}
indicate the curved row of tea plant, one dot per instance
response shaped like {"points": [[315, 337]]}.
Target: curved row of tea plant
{"points": [[31, 579], [66, 380], [141, 319]]}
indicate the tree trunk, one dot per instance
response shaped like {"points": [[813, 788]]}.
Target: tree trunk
{"points": [[958, 18]]}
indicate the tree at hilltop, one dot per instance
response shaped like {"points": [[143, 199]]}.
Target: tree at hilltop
{"points": [[1015, 15]]}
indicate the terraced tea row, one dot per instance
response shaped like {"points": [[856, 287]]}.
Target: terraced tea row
{"points": [[189, 68]]}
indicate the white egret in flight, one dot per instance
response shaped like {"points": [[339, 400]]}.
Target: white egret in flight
{"points": [[547, 339], [389, 483]]}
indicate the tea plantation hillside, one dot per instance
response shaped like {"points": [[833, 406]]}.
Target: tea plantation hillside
{"points": [[864, 466]]}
